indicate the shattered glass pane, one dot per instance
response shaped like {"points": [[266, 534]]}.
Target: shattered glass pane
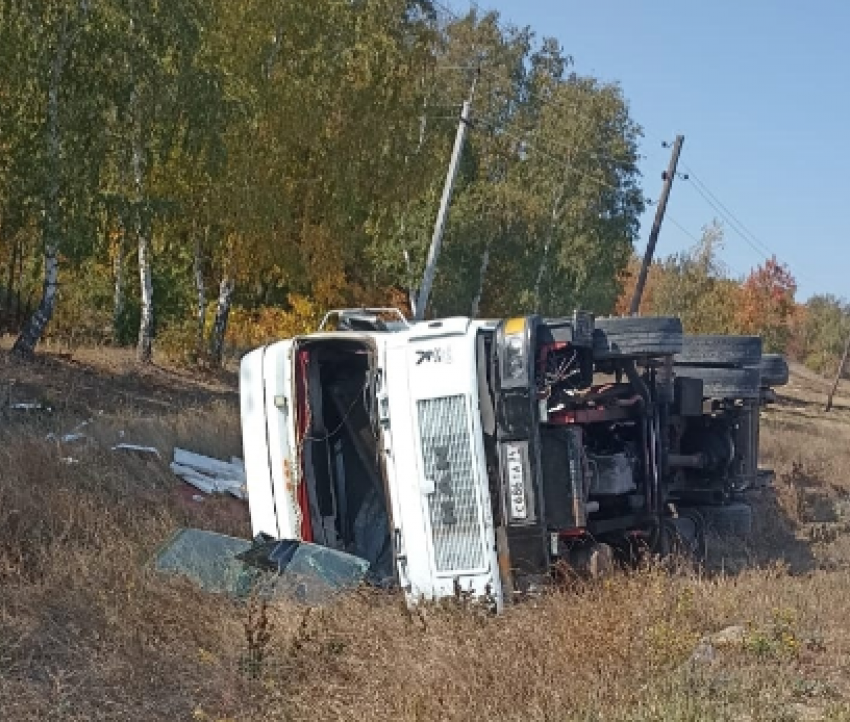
{"points": [[209, 560], [306, 572]]}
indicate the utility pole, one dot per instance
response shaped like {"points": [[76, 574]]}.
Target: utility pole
{"points": [[440, 225], [656, 224], [838, 374]]}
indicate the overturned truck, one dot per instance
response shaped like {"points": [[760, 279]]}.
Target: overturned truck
{"points": [[482, 457]]}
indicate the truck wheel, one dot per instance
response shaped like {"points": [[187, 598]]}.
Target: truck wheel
{"points": [[734, 519], [731, 351], [685, 536], [634, 337], [774, 370], [725, 383]]}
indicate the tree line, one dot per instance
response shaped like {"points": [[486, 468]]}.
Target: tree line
{"points": [[184, 173], [698, 287], [168, 167]]}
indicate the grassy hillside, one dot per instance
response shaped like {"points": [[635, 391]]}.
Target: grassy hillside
{"points": [[88, 633]]}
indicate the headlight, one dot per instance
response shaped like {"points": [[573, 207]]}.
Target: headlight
{"points": [[514, 352], [514, 360]]}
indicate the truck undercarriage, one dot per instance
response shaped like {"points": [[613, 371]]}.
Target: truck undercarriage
{"points": [[638, 440]]}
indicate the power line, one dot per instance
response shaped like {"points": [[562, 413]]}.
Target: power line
{"points": [[750, 238], [532, 94], [766, 254], [728, 220], [683, 229], [569, 149], [446, 9], [697, 241], [526, 146], [693, 176], [758, 246]]}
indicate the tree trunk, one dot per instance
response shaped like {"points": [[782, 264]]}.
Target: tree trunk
{"points": [[482, 275], [33, 330], [222, 313], [544, 258], [200, 288], [10, 283], [119, 298], [18, 290], [144, 350], [541, 270], [144, 347]]}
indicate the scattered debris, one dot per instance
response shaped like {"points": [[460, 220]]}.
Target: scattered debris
{"points": [[207, 559], [73, 435], [209, 475], [141, 450], [298, 570], [30, 406], [71, 438]]}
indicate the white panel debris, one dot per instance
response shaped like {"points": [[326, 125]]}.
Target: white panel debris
{"points": [[30, 406], [212, 476]]}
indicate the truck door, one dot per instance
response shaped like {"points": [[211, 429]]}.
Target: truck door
{"points": [[268, 433]]}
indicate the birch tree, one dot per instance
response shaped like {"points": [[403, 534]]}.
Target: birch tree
{"points": [[55, 28], [157, 45]]}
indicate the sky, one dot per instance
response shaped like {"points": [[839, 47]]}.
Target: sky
{"points": [[761, 92]]}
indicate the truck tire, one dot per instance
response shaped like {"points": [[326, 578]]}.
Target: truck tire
{"points": [[735, 519], [685, 536], [634, 337], [727, 351], [725, 383], [774, 370]]}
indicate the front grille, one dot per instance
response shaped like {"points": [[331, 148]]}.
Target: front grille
{"points": [[454, 507]]}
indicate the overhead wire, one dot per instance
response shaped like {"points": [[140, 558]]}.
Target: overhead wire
{"points": [[732, 224], [696, 240], [482, 69], [701, 185], [737, 226], [528, 146], [682, 228], [729, 217]]}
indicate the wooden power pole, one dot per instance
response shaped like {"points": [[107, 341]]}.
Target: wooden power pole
{"points": [[656, 224], [838, 374]]}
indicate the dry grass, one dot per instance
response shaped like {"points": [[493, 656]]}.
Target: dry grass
{"points": [[88, 633]]}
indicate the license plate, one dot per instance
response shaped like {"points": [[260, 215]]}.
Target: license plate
{"points": [[516, 482]]}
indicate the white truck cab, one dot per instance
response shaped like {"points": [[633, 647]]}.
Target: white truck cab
{"points": [[369, 440]]}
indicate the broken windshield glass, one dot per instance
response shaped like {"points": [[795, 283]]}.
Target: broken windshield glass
{"points": [[298, 570], [209, 560]]}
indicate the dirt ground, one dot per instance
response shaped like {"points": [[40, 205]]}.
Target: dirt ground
{"points": [[89, 381], [89, 632]]}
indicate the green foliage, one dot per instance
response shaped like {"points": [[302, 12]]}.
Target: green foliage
{"points": [[83, 315], [694, 286], [821, 332], [300, 150]]}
